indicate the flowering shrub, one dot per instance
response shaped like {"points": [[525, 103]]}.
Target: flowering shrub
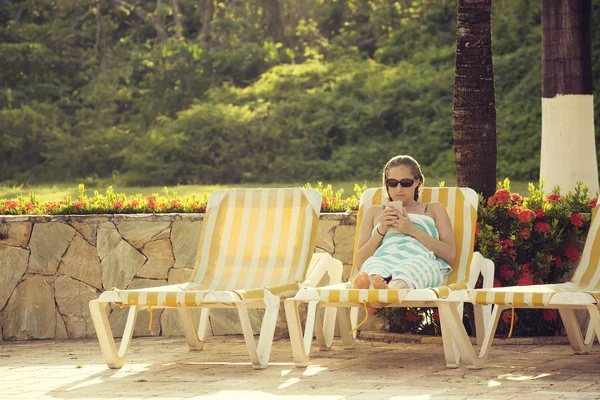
{"points": [[532, 240], [333, 202], [113, 203], [109, 203]]}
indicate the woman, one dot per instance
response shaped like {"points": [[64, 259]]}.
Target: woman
{"points": [[410, 247]]}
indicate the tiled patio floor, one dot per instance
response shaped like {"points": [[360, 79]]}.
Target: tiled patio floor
{"points": [[163, 368]]}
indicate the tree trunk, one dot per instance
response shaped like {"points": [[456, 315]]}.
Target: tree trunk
{"points": [[101, 39], [178, 18], [568, 143], [208, 11], [273, 22], [474, 104]]}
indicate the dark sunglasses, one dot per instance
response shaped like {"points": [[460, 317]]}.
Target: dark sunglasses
{"points": [[405, 183]]}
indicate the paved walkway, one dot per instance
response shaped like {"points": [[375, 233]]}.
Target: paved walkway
{"points": [[163, 368]]}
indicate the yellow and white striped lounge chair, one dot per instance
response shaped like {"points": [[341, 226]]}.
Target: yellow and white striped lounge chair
{"points": [[461, 204], [255, 248], [581, 293]]}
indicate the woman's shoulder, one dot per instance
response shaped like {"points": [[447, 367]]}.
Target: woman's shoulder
{"points": [[374, 209], [436, 207]]}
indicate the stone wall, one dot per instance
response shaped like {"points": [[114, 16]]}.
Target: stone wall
{"points": [[52, 266]]}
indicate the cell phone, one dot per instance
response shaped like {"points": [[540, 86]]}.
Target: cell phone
{"points": [[396, 204]]}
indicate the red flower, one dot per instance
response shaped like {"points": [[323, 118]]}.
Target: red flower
{"points": [[176, 204], [477, 228], [324, 205], [78, 205], [525, 279], [525, 233], [593, 202], [542, 227], [572, 254], [577, 220], [151, 202], [497, 283], [135, 203], [553, 198], [412, 316], [506, 316], [506, 272], [372, 311], [436, 315], [557, 260], [118, 204], [503, 195], [516, 197], [194, 207], [29, 206], [491, 201], [549, 315], [540, 213], [506, 243], [526, 216], [514, 210], [11, 204], [526, 268]]}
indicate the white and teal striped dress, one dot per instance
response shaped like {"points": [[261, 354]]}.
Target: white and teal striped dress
{"points": [[401, 256]]}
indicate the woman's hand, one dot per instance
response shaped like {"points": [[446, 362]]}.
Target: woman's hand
{"points": [[388, 219], [403, 223]]}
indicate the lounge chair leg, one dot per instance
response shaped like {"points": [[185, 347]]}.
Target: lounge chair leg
{"points": [[354, 320], [328, 330], [345, 328], [579, 345], [451, 352], [480, 323], [300, 343], [259, 355], [451, 320], [594, 325], [106, 339], [324, 327], [195, 337]]}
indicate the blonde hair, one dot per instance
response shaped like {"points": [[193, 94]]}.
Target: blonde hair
{"points": [[415, 170]]}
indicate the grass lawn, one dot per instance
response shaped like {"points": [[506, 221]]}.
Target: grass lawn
{"points": [[55, 192]]}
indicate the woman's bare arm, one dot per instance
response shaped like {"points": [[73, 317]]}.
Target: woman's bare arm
{"points": [[368, 242]]}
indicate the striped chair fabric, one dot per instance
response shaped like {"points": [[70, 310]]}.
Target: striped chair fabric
{"points": [[250, 240]]}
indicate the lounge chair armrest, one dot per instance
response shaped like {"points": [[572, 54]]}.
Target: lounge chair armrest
{"points": [[323, 264], [484, 267]]}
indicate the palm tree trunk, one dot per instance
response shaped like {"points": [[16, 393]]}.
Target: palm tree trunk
{"points": [[568, 151], [474, 105]]}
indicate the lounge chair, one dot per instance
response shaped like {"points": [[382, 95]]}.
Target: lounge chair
{"points": [[255, 248], [461, 204], [581, 293]]}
